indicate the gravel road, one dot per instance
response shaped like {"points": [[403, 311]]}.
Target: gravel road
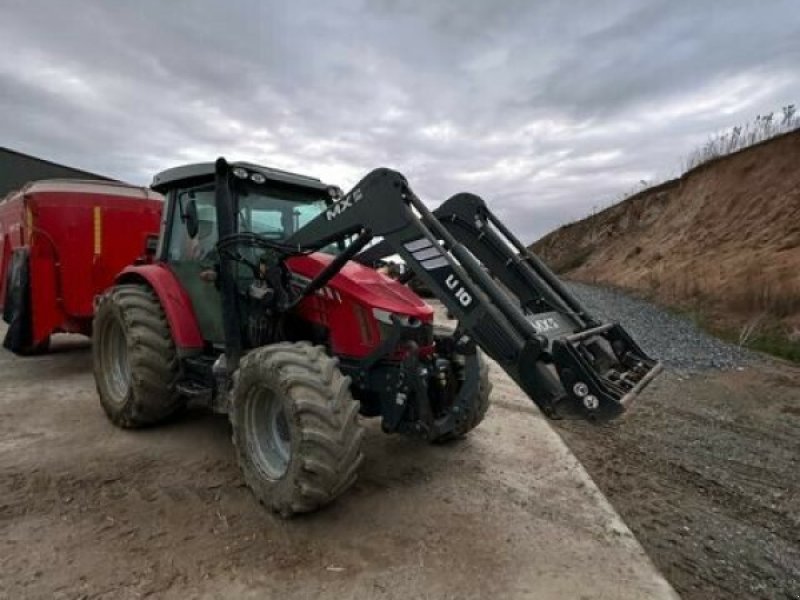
{"points": [[704, 468], [672, 338]]}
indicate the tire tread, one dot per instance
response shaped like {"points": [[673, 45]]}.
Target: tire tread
{"points": [[326, 451], [152, 357]]}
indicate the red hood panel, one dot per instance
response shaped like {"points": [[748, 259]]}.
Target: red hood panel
{"points": [[365, 285]]}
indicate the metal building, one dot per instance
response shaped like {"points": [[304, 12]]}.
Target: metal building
{"points": [[17, 169]]}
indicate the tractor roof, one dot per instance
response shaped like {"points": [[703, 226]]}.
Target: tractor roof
{"points": [[199, 171]]}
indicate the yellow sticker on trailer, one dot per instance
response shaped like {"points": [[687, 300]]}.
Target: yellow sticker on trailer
{"points": [[28, 233], [98, 230]]}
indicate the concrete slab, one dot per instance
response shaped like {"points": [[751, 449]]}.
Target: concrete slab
{"points": [[86, 508]]}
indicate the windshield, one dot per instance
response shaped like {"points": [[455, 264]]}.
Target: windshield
{"points": [[276, 214]]}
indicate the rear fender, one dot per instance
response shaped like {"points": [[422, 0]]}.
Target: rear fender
{"points": [[174, 300]]}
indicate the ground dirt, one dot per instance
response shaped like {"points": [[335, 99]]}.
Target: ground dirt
{"points": [[706, 473], [91, 511]]}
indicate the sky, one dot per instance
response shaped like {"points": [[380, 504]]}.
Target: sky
{"points": [[548, 110]]}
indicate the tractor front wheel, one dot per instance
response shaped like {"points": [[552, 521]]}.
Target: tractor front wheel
{"points": [[134, 357], [478, 405], [295, 427]]}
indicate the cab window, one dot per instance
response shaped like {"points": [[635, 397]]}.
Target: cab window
{"points": [[181, 246]]}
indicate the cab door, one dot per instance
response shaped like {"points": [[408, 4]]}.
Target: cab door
{"points": [[194, 260]]}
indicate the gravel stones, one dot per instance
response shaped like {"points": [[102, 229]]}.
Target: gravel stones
{"points": [[664, 335]]}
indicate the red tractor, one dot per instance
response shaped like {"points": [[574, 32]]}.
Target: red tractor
{"points": [[262, 301]]}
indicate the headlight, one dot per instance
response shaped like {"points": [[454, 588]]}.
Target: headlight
{"points": [[384, 316], [580, 389], [413, 329]]}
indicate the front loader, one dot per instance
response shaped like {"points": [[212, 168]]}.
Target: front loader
{"points": [[263, 303]]}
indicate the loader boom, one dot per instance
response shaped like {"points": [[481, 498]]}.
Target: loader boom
{"points": [[504, 298]]}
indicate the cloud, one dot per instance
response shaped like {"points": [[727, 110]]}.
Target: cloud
{"points": [[546, 109]]}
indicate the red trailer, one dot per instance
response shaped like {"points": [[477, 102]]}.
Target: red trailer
{"points": [[61, 244]]}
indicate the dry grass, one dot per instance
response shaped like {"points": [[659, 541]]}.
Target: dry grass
{"points": [[762, 128], [753, 310], [761, 291]]}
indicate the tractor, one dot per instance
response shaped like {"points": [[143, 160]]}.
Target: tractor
{"points": [[262, 301]]}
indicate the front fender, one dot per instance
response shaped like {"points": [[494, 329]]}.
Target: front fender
{"points": [[174, 300]]}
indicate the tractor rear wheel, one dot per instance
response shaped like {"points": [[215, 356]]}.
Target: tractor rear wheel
{"points": [[135, 362], [295, 427]]}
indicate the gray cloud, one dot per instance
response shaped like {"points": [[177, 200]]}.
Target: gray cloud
{"points": [[547, 109]]}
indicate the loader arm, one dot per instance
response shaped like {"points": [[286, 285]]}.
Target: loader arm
{"points": [[470, 221], [536, 287], [565, 360]]}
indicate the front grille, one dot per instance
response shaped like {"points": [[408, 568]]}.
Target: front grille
{"points": [[422, 334]]}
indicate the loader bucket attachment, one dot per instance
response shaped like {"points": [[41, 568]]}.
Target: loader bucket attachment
{"points": [[602, 371]]}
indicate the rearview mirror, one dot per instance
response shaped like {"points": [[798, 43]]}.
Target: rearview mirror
{"points": [[150, 249], [191, 219], [151, 244]]}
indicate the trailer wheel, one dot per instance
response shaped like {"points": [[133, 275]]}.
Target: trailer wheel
{"points": [[42, 347], [477, 407], [17, 309], [135, 362], [295, 427]]}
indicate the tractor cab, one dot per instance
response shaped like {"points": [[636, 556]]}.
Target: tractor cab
{"points": [[265, 202], [225, 238]]}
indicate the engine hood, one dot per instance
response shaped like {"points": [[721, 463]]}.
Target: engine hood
{"points": [[364, 285]]}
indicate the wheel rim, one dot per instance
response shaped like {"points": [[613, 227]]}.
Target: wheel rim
{"points": [[269, 428], [117, 369]]}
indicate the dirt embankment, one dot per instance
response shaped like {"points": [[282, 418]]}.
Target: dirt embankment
{"points": [[723, 239]]}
